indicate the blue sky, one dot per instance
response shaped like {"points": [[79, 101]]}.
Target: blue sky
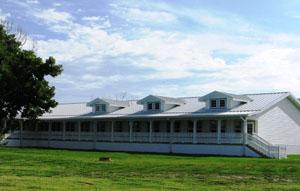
{"points": [[172, 48]]}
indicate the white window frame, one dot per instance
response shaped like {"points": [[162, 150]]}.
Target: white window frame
{"points": [[153, 106]]}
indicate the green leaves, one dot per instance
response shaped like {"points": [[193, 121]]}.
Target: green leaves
{"points": [[23, 88]]}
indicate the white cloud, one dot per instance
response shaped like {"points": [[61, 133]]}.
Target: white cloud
{"points": [[91, 18], [135, 14], [56, 4], [270, 63], [51, 16], [32, 1]]}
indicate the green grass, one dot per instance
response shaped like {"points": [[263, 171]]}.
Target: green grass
{"points": [[38, 169]]}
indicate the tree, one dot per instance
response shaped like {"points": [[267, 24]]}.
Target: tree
{"points": [[24, 91]]}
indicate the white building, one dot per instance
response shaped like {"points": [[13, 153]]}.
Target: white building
{"points": [[218, 123]]}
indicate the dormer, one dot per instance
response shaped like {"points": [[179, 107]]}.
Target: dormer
{"points": [[222, 100], [106, 105], [159, 103]]}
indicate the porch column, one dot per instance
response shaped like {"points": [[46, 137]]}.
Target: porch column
{"points": [[150, 131], [112, 131], [245, 131], [219, 132], [21, 132], [79, 130], [172, 131], [64, 129], [194, 131], [130, 130], [49, 133]]}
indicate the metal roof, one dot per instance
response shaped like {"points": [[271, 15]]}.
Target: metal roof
{"points": [[167, 100], [111, 102], [244, 98], [192, 107]]}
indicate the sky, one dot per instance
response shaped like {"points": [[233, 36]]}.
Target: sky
{"points": [[176, 48]]}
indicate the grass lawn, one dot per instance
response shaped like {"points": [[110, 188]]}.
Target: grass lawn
{"points": [[41, 169]]}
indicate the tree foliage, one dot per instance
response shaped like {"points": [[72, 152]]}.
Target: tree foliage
{"points": [[24, 89]]}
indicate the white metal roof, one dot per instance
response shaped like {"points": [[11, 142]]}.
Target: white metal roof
{"points": [[191, 107]]}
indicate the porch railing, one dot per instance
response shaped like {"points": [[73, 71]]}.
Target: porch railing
{"points": [[265, 148]]}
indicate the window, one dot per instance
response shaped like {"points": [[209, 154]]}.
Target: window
{"points": [[237, 126], [213, 103], [136, 127], [177, 127], [101, 126], [29, 126], [223, 126], [156, 126], [43, 126], [70, 126], [218, 103], [153, 106], [199, 127], [103, 107], [56, 126], [100, 108], [85, 127], [213, 126], [222, 103], [190, 126], [118, 126], [157, 106], [97, 108], [149, 106]]}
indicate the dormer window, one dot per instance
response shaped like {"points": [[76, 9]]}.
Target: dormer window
{"points": [[157, 106], [222, 103], [218, 103], [100, 108], [213, 103], [153, 106], [149, 106]]}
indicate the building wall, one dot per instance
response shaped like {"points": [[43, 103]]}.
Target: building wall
{"points": [[229, 150], [281, 125]]}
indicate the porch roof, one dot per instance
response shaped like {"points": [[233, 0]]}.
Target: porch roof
{"points": [[192, 108]]}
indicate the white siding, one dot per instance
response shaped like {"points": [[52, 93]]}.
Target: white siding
{"points": [[281, 125]]}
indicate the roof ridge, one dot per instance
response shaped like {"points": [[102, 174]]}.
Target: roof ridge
{"points": [[264, 93]]}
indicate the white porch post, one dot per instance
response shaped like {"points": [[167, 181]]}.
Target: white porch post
{"points": [[112, 131], [79, 130], [150, 131], [244, 131], [64, 129], [219, 132], [130, 130], [194, 131], [21, 132]]}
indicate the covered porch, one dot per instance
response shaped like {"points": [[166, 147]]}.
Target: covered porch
{"points": [[180, 130]]}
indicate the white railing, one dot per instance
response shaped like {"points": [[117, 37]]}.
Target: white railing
{"points": [[71, 135], [182, 137], [103, 136], [231, 138], [156, 137], [121, 136], [160, 137], [266, 148]]}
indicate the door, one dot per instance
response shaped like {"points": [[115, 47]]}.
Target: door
{"points": [[251, 127]]}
